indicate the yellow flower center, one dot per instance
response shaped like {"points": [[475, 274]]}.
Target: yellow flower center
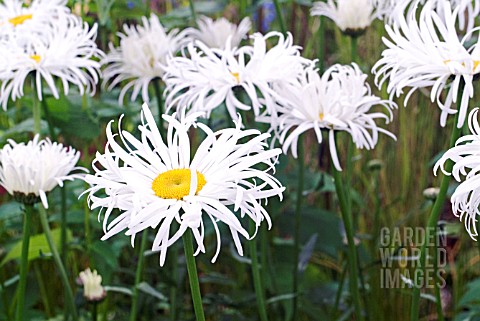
{"points": [[475, 64], [175, 183], [321, 116], [37, 58], [18, 20], [236, 76]]}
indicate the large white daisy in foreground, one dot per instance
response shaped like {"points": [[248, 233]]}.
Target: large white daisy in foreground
{"points": [[214, 33], [427, 52], [29, 171], [340, 100], [466, 158], [155, 183], [207, 77], [140, 57]]}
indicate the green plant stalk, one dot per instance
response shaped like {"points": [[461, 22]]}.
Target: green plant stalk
{"points": [[94, 311], [436, 210], [192, 11], [353, 49], [37, 115], [24, 262], [158, 94], [321, 45], [56, 257], [257, 280], [138, 275], [281, 20], [43, 290], [46, 111], [352, 251], [298, 217], [438, 296], [193, 276], [63, 223]]}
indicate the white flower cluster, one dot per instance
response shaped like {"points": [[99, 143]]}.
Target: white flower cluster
{"points": [[46, 42], [144, 50]]}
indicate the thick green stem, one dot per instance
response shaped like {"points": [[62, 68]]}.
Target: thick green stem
{"points": [[281, 21], [24, 262], [353, 52], [46, 111], [192, 11], [63, 223], [321, 45], [436, 211], [56, 257], [138, 275], [158, 94], [193, 276], [37, 115], [94, 311], [257, 280], [349, 231], [298, 217]]}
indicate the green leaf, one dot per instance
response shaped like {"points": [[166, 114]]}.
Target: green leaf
{"points": [[38, 246]]}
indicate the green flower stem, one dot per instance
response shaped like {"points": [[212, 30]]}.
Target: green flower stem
{"points": [[138, 275], [158, 94], [63, 223], [193, 276], [257, 280], [43, 290], [352, 251], [94, 311], [281, 21], [436, 210], [353, 52], [24, 262], [321, 45], [56, 257], [46, 111], [37, 115], [192, 11], [298, 208]]}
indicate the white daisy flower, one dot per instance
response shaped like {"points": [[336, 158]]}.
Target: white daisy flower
{"points": [[15, 13], [156, 184], [340, 100], [468, 10], [92, 285], [351, 16], [140, 57], [29, 171], [66, 51], [428, 53], [466, 158], [215, 33], [209, 77]]}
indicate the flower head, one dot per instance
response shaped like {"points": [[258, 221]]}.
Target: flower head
{"points": [[209, 77], [215, 34], [92, 285], [65, 51], [428, 53], [140, 57], [14, 14], [155, 183], [340, 100], [351, 16], [466, 158], [29, 171]]}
